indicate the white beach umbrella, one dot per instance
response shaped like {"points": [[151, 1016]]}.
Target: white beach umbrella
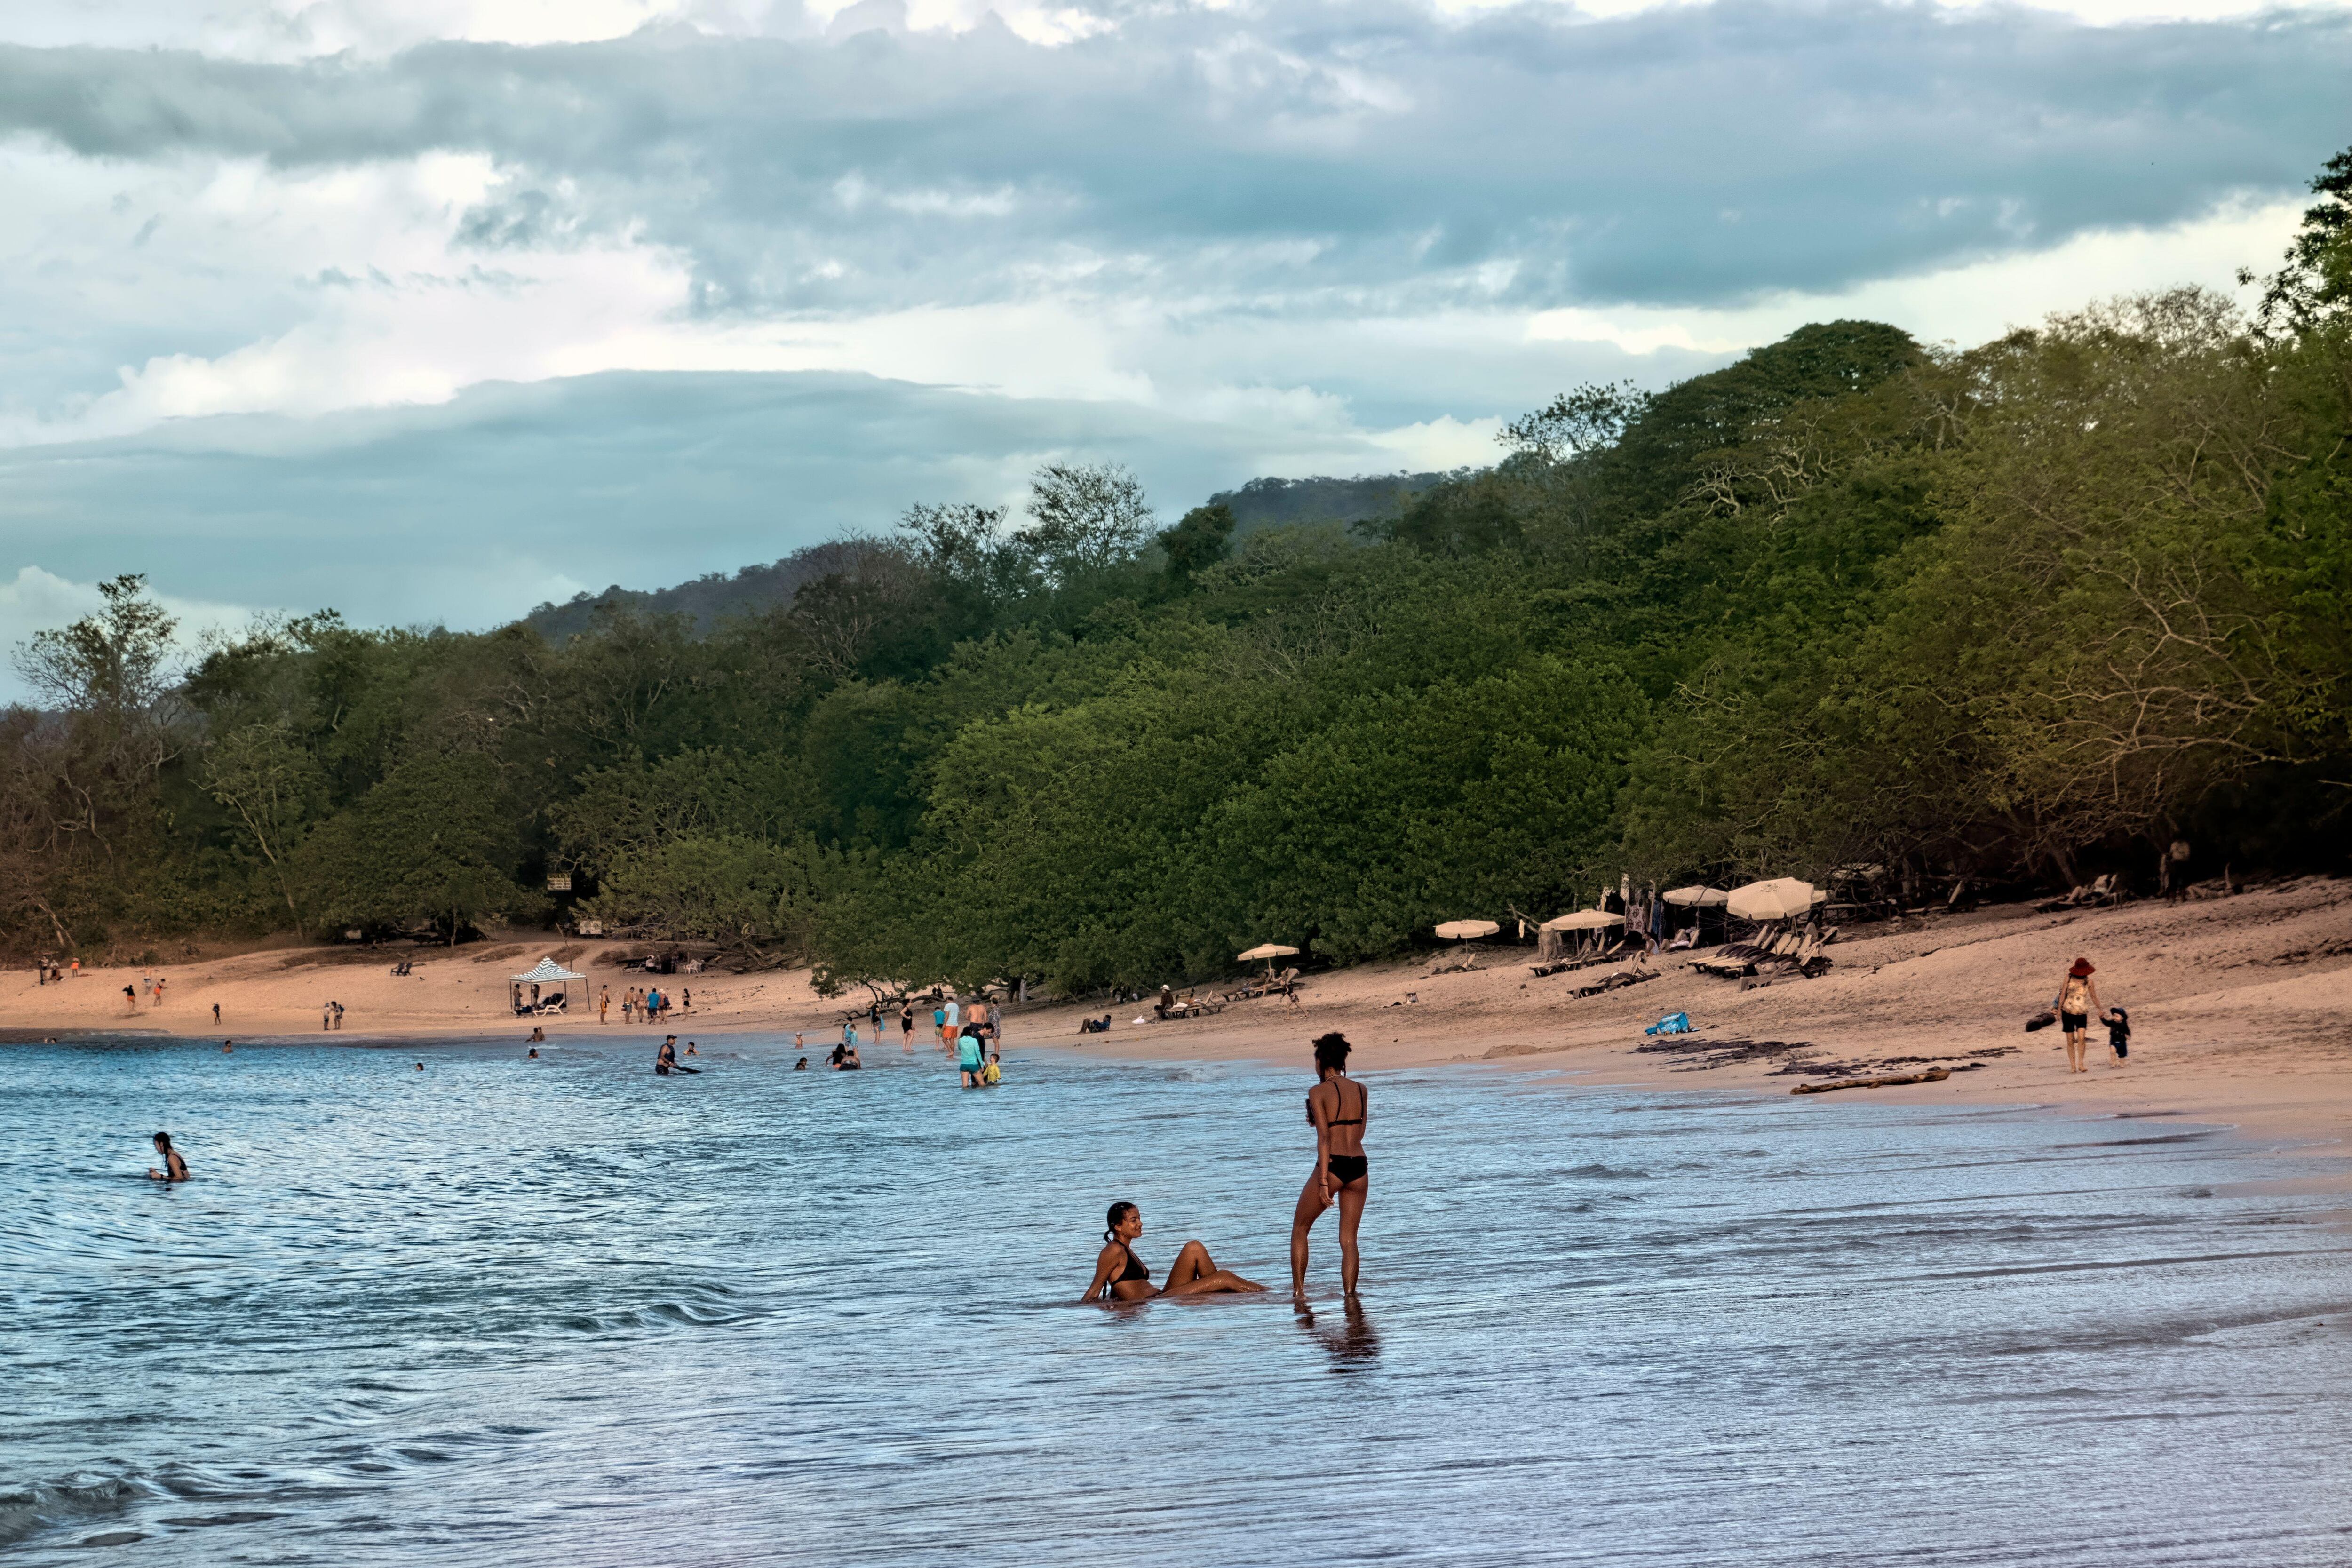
{"points": [[1584, 920], [1271, 950], [1695, 897], [1464, 929], [1782, 899]]}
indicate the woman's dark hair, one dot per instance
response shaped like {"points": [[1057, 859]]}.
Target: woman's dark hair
{"points": [[164, 1138], [1332, 1052], [1111, 1220]]}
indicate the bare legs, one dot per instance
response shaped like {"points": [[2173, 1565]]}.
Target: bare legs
{"points": [[1195, 1273], [2077, 1048], [1311, 1205]]}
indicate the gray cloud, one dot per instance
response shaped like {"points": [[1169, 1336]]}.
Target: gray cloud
{"points": [[1297, 156], [466, 512]]}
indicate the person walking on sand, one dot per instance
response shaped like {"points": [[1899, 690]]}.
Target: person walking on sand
{"points": [[2078, 999], [603, 1003], [1338, 1107]]}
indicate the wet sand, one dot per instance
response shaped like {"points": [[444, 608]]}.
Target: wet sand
{"points": [[2242, 1010]]}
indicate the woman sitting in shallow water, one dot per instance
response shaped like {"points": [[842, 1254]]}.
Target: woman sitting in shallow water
{"points": [[1121, 1276]]}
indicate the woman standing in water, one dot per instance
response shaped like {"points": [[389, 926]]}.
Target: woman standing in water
{"points": [[1121, 1276], [1336, 1106]]}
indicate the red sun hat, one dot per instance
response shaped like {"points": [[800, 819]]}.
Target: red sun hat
{"points": [[2082, 969]]}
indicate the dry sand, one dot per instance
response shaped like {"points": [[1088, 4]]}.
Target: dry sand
{"points": [[2242, 1010]]}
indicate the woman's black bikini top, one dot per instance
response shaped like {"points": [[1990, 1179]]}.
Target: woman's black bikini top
{"points": [[1356, 1121], [1135, 1269]]}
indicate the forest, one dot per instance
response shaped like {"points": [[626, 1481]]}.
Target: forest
{"points": [[2018, 613]]}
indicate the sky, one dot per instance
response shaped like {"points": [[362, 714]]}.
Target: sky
{"points": [[429, 312]]}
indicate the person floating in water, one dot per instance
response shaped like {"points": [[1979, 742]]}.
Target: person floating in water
{"points": [[690, 1050], [1336, 1106], [800, 1066], [1121, 1276], [533, 1055], [844, 1058], [175, 1169], [228, 1047]]}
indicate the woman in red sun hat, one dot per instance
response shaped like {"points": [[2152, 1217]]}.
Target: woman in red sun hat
{"points": [[2078, 999]]}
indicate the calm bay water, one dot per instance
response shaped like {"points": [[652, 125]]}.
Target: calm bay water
{"points": [[569, 1313]]}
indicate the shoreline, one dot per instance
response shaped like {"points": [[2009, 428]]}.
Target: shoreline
{"points": [[2242, 1010]]}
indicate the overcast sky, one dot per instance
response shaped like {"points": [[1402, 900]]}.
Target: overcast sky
{"points": [[431, 310]]}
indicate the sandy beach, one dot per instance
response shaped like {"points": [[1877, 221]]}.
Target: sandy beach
{"points": [[2242, 1009]]}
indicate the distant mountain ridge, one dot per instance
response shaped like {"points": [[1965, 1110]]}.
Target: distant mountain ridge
{"points": [[710, 598]]}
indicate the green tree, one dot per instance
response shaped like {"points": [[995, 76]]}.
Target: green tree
{"points": [[434, 845], [274, 786]]}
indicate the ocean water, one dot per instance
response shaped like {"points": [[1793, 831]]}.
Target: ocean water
{"points": [[571, 1313]]}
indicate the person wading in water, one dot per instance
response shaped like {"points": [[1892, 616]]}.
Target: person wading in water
{"points": [[1336, 1106]]}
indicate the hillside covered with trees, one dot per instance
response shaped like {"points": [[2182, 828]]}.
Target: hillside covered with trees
{"points": [[2024, 611]]}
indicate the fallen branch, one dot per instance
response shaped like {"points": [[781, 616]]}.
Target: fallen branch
{"points": [[1933, 1075]]}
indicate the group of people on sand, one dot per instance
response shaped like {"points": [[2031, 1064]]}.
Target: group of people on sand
{"points": [[640, 1004], [1338, 1107]]}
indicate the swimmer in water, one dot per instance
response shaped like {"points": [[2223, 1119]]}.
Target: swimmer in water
{"points": [[666, 1059], [420, 1067], [533, 1055], [690, 1050], [228, 1047], [175, 1169], [800, 1066], [1121, 1276]]}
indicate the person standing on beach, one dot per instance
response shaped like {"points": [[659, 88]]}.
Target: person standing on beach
{"points": [[603, 1001], [940, 1025], [2078, 999], [1338, 1107], [215, 1015], [907, 1027]]}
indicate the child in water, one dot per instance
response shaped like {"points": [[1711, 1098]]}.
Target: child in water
{"points": [[994, 1073]]}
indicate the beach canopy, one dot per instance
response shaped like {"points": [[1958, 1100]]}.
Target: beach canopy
{"points": [[1267, 950], [1468, 927], [548, 969], [1782, 899], [1584, 920], [1704, 897]]}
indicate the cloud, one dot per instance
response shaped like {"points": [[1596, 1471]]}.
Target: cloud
{"points": [[1301, 154]]}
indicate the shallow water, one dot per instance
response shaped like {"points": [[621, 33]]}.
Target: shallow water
{"points": [[572, 1313]]}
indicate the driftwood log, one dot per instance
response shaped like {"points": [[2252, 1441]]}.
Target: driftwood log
{"points": [[1933, 1075]]}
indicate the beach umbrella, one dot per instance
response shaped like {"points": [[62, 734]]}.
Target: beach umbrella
{"points": [[1269, 952], [1700, 897], [1584, 920], [1464, 929], [1782, 899]]}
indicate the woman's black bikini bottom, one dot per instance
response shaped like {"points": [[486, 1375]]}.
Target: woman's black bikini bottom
{"points": [[1346, 1168]]}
